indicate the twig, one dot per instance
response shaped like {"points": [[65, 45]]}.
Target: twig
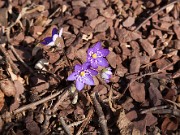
{"points": [[19, 58], [154, 108], [145, 21], [65, 126], [34, 104], [102, 120], [86, 121], [9, 60], [60, 99]]}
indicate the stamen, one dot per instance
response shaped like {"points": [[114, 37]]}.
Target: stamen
{"points": [[82, 73], [94, 55]]}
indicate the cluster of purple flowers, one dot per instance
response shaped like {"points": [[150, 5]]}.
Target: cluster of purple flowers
{"points": [[83, 74]]}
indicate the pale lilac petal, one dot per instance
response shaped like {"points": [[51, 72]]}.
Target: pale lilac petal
{"points": [[97, 46], [61, 31], [108, 72], [55, 37], [47, 40], [54, 31], [88, 80], [104, 76], [78, 68], [103, 52], [92, 72], [102, 62], [79, 85], [94, 64], [86, 65], [72, 77]]}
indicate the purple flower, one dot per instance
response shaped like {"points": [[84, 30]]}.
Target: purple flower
{"points": [[96, 56], [106, 74], [83, 75], [54, 39]]}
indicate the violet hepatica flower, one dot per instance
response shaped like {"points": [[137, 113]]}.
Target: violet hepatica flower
{"points": [[96, 56], [54, 39], [106, 74], [83, 75]]}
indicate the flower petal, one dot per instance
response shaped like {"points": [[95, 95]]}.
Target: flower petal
{"points": [[86, 65], [92, 72], [103, 52], [61, 31], [94, 64], [47, 40], [105, 76], [88, 80], [97, 46], [55, 37], [90, 51], [102, 62], [51, 44], [79, 85], [54, 31], [78, 68], [72, 77]]}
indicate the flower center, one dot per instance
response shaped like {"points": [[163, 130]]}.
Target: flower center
{"points": [[94, 55], [82, 73]]}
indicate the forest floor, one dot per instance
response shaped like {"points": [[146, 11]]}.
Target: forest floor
{"points": [[143, 93]]}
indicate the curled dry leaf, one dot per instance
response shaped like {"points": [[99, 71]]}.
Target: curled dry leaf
{"points": [[169, 124], [1, 100], [8, 87]]}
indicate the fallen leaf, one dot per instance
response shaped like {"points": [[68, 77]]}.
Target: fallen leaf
{"points": [[1, 100], [147, 47], [8, 87], [129, 22], [169, 124], [137, 91]]}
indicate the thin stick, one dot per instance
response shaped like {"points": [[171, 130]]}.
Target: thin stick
{"points": [[65, 126], [86, 121], [102, 120], [34, 104], [145, 21]]}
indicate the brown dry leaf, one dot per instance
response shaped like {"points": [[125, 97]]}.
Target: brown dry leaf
{"points": [[75, 22], [111, 59], [1, 100], [121, 70], [20, 90], [163, 63], [169, 124], [108, 13], [137, 91], [99, 4], [32, 126], [129, 22], [147, 47], [126, 126], [81, 54], [8, 87], [135, 65], [78, 3], [125, 36], [148, 120], [96, 21], [177, 30], [91, 13], [3, 17], [154, 94], [102, 27]]}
